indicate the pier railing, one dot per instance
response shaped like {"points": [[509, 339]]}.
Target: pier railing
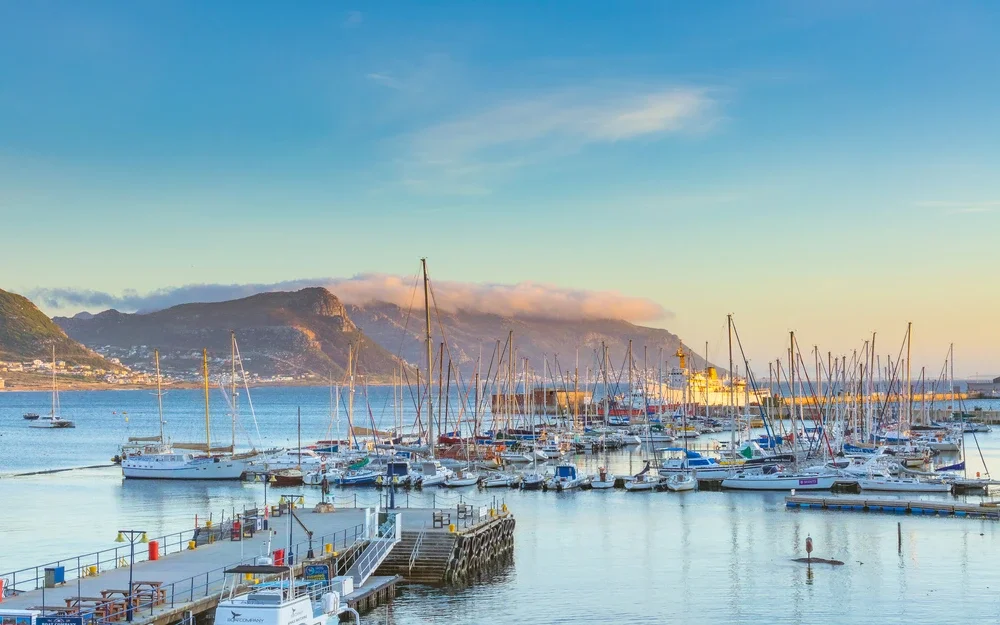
{"points": [[91, 564], [180, 593]]}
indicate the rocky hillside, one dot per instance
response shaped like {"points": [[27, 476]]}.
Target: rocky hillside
{"points": [[467, 332], [26, 334], [279, 334]]}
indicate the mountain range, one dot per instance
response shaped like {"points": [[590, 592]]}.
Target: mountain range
{"points": [[278, 333], [291, 333]]}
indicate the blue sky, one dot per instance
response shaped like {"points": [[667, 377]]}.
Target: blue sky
{"points": [[828, 167]]}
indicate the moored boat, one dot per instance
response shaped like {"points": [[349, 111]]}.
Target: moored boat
{"points": [[681, 482]]}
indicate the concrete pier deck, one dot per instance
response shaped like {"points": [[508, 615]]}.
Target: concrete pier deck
{"points": [[191, 576]]}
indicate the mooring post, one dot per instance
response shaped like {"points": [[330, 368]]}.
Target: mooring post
{"points": [[899, 537]]}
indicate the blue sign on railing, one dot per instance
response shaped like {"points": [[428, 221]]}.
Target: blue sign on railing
{"points": [[317, 572], [59, 620]]}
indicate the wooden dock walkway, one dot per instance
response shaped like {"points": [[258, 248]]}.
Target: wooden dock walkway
{"points": [[889, 505]]}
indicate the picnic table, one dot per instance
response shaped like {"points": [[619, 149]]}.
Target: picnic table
{"points": [[100, 606], [149, 593]]}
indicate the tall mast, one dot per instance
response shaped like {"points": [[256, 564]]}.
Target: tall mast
{"points": [[732, 384], [298, 420], [629, 365], [53, 379], [909, 388], [208, 423], [430, 358], [791, 375], [159, 391], [232, 336], [350, 395]]}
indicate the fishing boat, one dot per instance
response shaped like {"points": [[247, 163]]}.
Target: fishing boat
{"points": [[779, 480], [603, 480], [461, 478], [567, 478], [31, 416], [681, 482], [283, 601], [52, 421]]}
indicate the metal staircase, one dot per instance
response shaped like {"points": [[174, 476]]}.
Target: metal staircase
{"points": [[386, 537]]}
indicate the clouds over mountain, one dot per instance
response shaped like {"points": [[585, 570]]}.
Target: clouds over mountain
{"points": [[524, 299]]}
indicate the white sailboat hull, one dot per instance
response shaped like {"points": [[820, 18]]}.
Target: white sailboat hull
{"points": [[194, 469], [680, 482], [779, 482], [903, 486]]}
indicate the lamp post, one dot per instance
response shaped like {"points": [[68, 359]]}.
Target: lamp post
{"points": [[291, 501], [131, 537]]}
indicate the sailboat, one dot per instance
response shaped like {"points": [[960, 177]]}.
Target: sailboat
{"points": [[681, 482], [213, 463], [53, 420]]}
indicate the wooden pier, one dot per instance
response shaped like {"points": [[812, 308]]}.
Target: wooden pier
{"points": [[450, 546], [888, 505]]}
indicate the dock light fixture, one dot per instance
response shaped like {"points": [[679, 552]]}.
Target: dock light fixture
{"points": [[131, 537]]}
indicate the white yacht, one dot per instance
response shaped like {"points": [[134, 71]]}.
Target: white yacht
{"points": [[780, 480], [182, 466], [280, 602]]}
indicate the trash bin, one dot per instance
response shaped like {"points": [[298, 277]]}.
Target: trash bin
{"points": [[54, 576], [154, 550]]}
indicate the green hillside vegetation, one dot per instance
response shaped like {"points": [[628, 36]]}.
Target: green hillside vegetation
{"points": [[26, 333]]}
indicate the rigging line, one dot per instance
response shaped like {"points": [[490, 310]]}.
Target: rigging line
{"points": [[765, 417], [892, 380], [243, 374], [444, 339], [812, 391]]}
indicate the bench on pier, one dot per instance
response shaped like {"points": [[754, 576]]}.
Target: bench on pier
{"points": [[441, 519], [464, 511]]}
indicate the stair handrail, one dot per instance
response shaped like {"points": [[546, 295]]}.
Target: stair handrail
{"points": [[378, 548], [415, 553]]}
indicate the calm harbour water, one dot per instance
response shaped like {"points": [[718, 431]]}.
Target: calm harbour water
{"points": [[580, 557]]}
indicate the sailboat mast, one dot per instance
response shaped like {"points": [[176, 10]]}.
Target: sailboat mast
{"points": [[53, 380], [350, 395], [430, 359], [298, 464], [732, 385], [159, 391], [232, 336], [629, 365], [208, 424], [909, 388]]}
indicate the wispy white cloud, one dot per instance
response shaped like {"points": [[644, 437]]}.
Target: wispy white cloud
{"points": [[959, 207], [386, 80], [472, 151], [353, 19]]}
